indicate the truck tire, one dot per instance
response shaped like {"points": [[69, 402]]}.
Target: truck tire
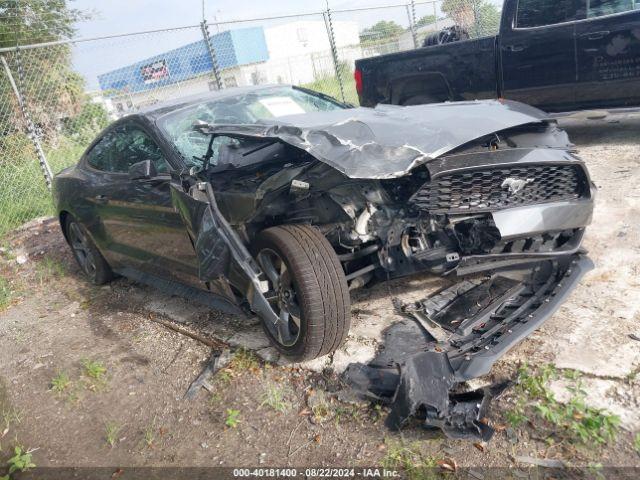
{"points": [[308, 290], [89, 258]]}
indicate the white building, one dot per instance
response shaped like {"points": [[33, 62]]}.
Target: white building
{"points": [[296, 53], [300, 52]]}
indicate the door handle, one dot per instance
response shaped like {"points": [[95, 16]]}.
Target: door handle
{"points": [[101, 199], [595, 35], [514, 48]]}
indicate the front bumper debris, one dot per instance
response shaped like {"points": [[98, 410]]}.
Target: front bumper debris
{"points": [[458, 334]]}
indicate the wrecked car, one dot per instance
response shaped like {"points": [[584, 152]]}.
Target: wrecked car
{"points": [[279, 201]]}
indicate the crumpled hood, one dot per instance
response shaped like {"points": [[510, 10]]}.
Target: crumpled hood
{"points": [[388, 141]]}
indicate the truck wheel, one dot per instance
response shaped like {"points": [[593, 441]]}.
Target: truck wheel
{"points": [[308, 290], [91, 261]]}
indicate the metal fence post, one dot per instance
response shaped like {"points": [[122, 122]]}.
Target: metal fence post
{"points": [[31, 129], [411, 13], [435, 14], [334, 51], [212, 53]]}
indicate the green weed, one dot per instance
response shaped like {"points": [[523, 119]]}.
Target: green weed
{"points": [[21, 461], [111, 430], [233, 418], [10, 416], [60, 382], [636, 442], [273, 397], [49, 268], [94, 369], [574, 420], [409, 459], [243, 360], [150, 434], [6, 294]]}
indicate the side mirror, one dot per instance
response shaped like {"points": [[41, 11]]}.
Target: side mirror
{"points": [[143, 170]]}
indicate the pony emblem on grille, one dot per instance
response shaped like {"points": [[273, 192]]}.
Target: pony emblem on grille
{"points": [[516, 185]]}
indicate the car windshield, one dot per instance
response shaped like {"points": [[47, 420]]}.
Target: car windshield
{"points": [[245, 108]]}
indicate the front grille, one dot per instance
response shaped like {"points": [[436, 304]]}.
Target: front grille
{"points": [[485, 190]]}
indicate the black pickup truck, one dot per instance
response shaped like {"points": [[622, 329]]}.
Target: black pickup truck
{"points": [[558, 55]]}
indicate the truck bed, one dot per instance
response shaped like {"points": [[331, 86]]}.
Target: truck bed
{"points": [[463, 70]]}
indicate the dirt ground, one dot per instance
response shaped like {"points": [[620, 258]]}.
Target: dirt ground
{"points": [[263, 412]]}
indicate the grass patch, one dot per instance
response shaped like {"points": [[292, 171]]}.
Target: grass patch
{"points": [[243, 360], [24, 193], [60, 382], [572, 421], [410, 460], [636, 442], [232, 419], [274, 397], [95, 373], [10, 416], [111, 430], [49, 268], [149, 434], [6, 294], [93, 369]]}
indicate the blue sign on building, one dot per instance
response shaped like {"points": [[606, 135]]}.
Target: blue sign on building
{"points": [[233, 48]]}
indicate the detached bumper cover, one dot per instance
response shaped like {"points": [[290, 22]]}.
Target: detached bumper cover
{"points": [[458, 334]]}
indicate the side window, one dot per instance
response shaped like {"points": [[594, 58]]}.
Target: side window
{"points": [[103, 154], [599, 8], [124, 146], [538, 13], [134, 145]]}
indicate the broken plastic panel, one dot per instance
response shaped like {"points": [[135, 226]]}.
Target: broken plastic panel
{"points": [[456, 335]]}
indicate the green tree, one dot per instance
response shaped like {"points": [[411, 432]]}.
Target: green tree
{"points": [[426, 20], [478, 17], [44, 76], [383, 30]]}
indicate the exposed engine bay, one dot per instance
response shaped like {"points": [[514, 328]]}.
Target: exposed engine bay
{"points": [[460, 213], [488, 194]]}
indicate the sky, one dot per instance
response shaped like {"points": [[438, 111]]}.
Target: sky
{"points": [[126, 16]]}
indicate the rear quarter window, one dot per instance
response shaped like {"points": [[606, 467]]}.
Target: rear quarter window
{"points": [[539, 13], [600, 8]]}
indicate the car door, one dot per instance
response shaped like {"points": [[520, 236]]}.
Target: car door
{"points": [[141, 227], [608, 43], [537, 53]]}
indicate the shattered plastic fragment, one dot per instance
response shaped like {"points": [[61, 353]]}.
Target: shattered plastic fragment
{"points": [[420, 375]]}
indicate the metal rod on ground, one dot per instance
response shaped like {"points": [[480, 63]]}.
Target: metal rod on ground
{"points": [[411, 13], [212, 53], [334, 51], [31, 129], [182, 331]]}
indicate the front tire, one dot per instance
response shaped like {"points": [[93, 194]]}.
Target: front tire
{"points": [[308, 290], [89, 258]]}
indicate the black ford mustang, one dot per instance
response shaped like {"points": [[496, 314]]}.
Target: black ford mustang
{"points": [[279, 200]]}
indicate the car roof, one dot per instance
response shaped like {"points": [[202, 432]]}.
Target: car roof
{"points": [[159, 109]]}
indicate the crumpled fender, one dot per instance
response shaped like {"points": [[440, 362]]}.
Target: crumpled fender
{"points": [[218, 247]]}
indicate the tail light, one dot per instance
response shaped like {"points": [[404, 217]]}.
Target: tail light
{"points": [[357, 75]]}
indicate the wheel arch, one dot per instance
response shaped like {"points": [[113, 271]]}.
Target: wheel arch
{"points": [[432, 84]]}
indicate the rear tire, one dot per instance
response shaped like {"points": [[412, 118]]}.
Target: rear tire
{"points": [[89, 258], [307, 284]]}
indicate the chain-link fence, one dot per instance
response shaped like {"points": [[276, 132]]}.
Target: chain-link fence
{"points": [[56, 96]]}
